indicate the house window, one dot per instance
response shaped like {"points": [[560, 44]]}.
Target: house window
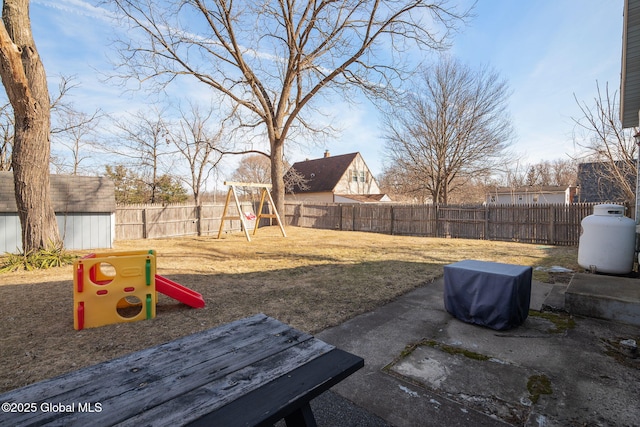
{"points": [[493, 199], [354, 176], [362, 176]]}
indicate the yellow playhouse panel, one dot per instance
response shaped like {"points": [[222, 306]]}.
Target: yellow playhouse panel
{"points": [[113, 288]]}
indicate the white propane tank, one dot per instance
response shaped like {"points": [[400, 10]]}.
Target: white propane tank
{"points": [[607, 241]]}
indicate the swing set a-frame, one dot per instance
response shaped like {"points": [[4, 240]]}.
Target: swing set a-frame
{"points": [[265, 194]]}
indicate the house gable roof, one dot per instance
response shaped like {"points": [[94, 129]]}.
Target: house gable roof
{"points": [[598, 185], [322, 175]]}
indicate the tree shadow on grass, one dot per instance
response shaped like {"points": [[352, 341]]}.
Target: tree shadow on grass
{"points": [[38, 340]]}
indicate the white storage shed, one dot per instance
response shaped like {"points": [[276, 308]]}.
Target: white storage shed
{"points": [[85, 207]]}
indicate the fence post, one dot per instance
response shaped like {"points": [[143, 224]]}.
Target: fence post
{"points": [[392, 220], [199, 220], [486, 222], [353, 218], [144, 224], [552, 225]]}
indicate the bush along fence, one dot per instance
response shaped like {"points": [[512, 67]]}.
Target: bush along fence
{"points": [[539, 224]]}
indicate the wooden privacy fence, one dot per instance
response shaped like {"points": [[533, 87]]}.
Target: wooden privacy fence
{"points": [[540, 224], [156, 221]]}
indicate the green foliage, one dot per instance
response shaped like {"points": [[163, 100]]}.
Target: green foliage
{"points": [[169, 190], [562, 322], [132, 188], [452, 350], [52, 256], [129, 187]]}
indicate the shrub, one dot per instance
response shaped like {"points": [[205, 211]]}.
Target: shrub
{"points": [[52, 256]]}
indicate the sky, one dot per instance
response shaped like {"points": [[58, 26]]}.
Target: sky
{"points": [[549, 51]]}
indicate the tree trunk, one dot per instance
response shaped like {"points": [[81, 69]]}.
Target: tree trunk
{"points": [[277, 176], [25, 81]]}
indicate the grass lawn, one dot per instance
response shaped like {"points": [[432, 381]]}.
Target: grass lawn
{"points": [[312, 279]]}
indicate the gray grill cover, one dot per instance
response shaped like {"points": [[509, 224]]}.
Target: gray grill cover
{"points": [[489, 294]]}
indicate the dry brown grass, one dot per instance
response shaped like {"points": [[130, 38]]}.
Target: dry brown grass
{"points": [[312, 279]]}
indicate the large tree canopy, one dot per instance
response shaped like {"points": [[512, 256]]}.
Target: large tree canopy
{"points": [[25, 81], [453, 127], [271, 59]]}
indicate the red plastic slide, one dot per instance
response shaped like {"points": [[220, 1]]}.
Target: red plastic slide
{"points": [[179, 292]]}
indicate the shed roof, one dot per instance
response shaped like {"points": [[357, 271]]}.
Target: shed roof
{"points": [[69, 194], [630, 76], [530, 189]]}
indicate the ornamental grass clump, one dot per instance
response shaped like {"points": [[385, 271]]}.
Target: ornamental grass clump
{"points": [[52, 256]]}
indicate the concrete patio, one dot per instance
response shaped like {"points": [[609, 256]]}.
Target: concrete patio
{"points": [[423, 367]]}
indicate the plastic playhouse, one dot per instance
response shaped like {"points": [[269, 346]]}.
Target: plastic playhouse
{"points": [[122, 287]]}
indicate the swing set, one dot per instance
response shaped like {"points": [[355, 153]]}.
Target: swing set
{"points": [[264, 195]]}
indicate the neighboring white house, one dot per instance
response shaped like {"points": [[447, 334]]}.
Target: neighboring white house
{"points": [[334, 179], [531, 195]]}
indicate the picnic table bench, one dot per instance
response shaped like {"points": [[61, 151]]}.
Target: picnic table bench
{"points": [[254, 371]]}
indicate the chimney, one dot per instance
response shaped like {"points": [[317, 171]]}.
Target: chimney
{"points": [[327, 154]]}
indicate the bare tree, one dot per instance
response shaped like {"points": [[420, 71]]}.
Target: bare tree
{"points": [[143, 140], [514, 175], [69, 129], [273, 58], [25, 82], [453, 127], [564, 172], [253, 168], [6, 137], [73, 136], [77, 138], [200, 143], [559, 172], [58, 103], [393, 182], [295, 180], [601, 135], [257, 168]]}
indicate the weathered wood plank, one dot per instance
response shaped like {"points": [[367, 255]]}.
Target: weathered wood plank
{"points": [[218, 393], [279, 398], [225, 374], [149, 377], [221, 340]]}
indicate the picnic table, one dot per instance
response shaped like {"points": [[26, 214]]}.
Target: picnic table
{"points": [[254, 371]]}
